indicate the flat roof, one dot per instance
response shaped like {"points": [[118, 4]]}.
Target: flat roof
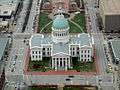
{"points": [[110, 7], [3, 43], [115, 44], [8, 1], [6, 10], [3, 23]]}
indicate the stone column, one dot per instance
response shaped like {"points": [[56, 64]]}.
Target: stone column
{"points": [[65, 64], [62, 62], [53, 63], [59, 62], [69, 62]]}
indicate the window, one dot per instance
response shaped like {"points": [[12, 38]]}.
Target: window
{"points": [[88, 55], [32, 52], [81, 55], [88, 51], [73, 48], [85, 56], [78, 53], [48, 49], [60, 58], [43, 53], [36, 52], [82, 51], [64, 58], [39, 56], [33, 56], [43, 48], [36, 56], [39, 52], [53, 58], [77, 48], [81, 59], [73, 53], [85, 51], [48, 53]]}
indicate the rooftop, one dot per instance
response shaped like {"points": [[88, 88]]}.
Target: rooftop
{"points": [[3, 43], [6, 10], [8, 1], [60, 22], [110, 7], [115, 44]]}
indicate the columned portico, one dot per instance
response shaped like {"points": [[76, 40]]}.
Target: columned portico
{"points": [[60, 63]]}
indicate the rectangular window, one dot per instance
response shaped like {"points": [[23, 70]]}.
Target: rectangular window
{"points": [[81, 55], [73, 53], [88, 55], [84, 55], [43, 53], [73, 48], [81, 59], [77, 48], [32, 52], [85, 51], [36, 52], [36, 56], [33, 56], [78, 53], [43, 48], [39, 56], [82, 51], [48, 53], [88, 51], [39, 52], [48, 49]]}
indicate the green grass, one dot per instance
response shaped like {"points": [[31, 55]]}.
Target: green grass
{"points": [[82, 66], [43, 20], [80, 20], [74, 28], [48, 29], [42, 66]]}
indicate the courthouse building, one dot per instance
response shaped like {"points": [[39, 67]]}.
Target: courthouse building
{"points": [[61, 46]]}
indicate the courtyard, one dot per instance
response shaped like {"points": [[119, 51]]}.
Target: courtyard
{"points": [[77, 23]]}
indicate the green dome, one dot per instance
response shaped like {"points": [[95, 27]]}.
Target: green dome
{"points": [[60, 22]]}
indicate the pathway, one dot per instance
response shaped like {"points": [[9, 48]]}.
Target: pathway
{"points": [[46, 26], [77, 25]]}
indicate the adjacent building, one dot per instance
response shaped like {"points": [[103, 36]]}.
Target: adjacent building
{"points": [[64, 5], [115, 48], [61, 46], [110, 13]]}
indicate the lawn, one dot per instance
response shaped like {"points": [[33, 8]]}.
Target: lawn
{"points": [[42, 66], [43, 20], [80, 20], [82, 66], [74, 28]]}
